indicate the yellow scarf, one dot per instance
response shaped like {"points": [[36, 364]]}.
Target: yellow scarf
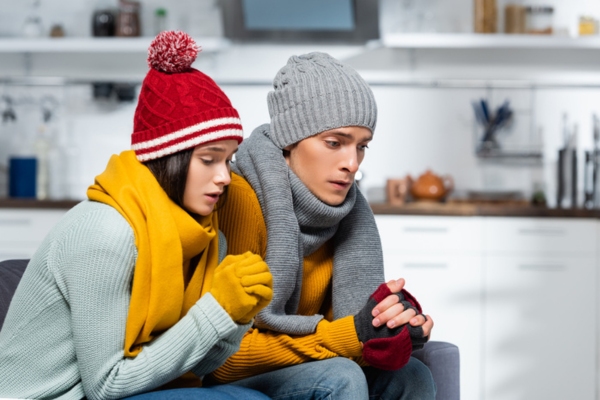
{"points": [[166, 237]]}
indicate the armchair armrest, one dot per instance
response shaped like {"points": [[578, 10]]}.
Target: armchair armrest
{"points": [[10, 275], [443, 361]]}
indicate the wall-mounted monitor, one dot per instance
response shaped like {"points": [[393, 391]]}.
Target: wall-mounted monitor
{"points": [[332, 21]]}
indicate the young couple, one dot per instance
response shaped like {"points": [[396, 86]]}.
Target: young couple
{"points": [[137, 292]]}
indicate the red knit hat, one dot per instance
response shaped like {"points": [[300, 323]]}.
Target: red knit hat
{"points": [[179, 107]]}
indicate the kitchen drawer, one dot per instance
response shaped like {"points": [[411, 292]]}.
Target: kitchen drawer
{"points": [[429, 234], [26, 227], [540, 327], [540, 235], [449, 288]]}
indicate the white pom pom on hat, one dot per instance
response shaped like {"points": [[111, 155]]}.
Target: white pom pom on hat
{"points": [[172, 52]]}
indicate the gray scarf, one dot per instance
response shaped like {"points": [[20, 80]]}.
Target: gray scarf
{"points": [[298, 224]]}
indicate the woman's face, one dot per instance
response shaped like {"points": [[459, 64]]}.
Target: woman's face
{"points": [[208, 174], [326, 163]]}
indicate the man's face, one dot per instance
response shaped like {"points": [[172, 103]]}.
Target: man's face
{"points": [[326, 163]]}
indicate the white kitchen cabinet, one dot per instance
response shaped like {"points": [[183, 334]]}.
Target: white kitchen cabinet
{"points": [[448, 287], [540, 308], [430, 235], [540, 236], [539, 330], [440, 258], [23, 230], [597, 301], [517, 295]]}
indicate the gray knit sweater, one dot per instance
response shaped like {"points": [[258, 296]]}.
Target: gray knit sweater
{"points": [[63, 336]]}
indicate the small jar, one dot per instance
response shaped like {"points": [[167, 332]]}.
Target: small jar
{"points": [[128, 20], [514, 19], [103, 23], [485, 16], [539, 20], [588, 25]]}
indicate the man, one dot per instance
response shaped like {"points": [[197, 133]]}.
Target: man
{"points": [[332, 330]]}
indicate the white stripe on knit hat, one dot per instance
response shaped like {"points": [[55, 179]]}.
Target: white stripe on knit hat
{"points": [[193, 142], [185, 131]]}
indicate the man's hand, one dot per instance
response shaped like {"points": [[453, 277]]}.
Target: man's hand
{"points": [[392, 313]]}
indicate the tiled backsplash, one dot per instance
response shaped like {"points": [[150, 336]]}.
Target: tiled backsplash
{"points": [[418, 129]]}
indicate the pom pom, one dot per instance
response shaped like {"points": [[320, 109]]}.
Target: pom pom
{"points": [[172, 51]]}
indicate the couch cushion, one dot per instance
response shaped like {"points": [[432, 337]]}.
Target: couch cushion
{"points": [[11, 272]]}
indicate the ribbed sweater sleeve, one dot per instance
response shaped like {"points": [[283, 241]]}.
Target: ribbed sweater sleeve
{"points": [[264, 351], [78, 287], [241, 220]]}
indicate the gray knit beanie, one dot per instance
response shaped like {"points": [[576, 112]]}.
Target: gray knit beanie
{"points": [[315, 92]]}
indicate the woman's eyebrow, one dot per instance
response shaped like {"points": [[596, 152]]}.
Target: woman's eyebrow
{"points": [[215, 148]]}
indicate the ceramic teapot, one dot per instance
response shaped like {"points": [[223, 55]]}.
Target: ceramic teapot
{"points": [[430, 186]]}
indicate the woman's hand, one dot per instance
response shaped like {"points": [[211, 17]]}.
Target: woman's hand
{"points": [[243, 285]]}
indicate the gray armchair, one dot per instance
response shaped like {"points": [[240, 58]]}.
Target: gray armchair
{"points": [[442, 358], [443, 361]]}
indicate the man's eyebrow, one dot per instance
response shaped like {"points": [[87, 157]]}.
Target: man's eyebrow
{"points": [[349, 136]]}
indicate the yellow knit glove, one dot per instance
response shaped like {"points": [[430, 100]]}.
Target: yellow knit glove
{"points": [[243, 286]]}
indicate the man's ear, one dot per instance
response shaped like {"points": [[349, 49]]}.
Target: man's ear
{"points": [[286, 150]]}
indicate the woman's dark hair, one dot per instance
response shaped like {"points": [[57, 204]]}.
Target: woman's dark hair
{"points": [[171, 173]]}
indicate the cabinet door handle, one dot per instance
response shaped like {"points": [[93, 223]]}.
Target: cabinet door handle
{"points": [[15, 222], [543, 267], [425, 229], [426, 265], [543, 231]]}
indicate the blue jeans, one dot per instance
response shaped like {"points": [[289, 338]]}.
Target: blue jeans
{"points": [[221, 392], [413, 381], [342, 379]]}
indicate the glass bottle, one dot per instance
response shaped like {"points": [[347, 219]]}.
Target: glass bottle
{"points": [[160, 20]]}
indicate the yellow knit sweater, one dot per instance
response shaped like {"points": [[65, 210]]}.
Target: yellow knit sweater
{"points": [[242, 222]]}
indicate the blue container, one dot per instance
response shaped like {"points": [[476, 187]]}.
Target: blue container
{"points": [[22, 177]]}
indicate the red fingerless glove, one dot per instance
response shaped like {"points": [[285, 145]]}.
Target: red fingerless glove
{"points": [[385, 348]]}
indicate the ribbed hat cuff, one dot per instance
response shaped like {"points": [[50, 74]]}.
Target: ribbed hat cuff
{"points": [[298, 112], [189, 132], [284, 134]]}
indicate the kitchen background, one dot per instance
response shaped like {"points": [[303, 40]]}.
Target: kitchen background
{"points": [[426, 71], [497, 280]]}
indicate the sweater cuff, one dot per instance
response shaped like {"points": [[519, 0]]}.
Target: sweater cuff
{"points": [[216, 315], [340, 336]]}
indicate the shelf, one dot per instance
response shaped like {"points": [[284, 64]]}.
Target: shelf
{"points": [[401, 40], [487, 41], [94, 45]]}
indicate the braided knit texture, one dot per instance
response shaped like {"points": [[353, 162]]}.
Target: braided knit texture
{"points": [[64, 332], [315, 92], [179, 107]]}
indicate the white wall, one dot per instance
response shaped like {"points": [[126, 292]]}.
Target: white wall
{"points": [[419, 127]]}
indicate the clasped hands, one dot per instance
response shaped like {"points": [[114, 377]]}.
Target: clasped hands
{"points": [[391, 325], [392, 312]]}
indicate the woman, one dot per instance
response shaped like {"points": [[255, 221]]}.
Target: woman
{"points": [[131, 292]]}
